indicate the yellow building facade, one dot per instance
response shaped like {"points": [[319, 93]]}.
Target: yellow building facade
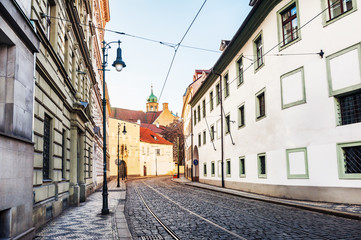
{"points": [[128, 146]]}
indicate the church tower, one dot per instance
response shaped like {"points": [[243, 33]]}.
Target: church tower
{"points": [[152, 102]]}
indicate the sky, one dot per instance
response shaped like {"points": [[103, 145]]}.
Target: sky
{"points": [[147, 62]]}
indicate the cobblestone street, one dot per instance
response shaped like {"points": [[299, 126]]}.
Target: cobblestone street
{"points": [[193, 213]]}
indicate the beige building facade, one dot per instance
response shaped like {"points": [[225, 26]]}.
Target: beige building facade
{"points": [[67, 108]]}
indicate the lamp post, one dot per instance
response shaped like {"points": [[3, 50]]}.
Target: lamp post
{"points": [[118, 163], [119, 65]]}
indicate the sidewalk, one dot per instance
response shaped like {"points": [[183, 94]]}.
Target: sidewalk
{"points": [[86, 221], [337, 209]]}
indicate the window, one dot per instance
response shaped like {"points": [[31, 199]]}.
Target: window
{"points": [[240, 71], [226, 85], [338, 7], [213, 170], [218, 100], [199, 113], [205, 169], [349, 160], [204, 137], [242, 167], [195, 117], [289, 24], [46, 148], [258, 51], [212, 132], [211, 101], [89, 162], [204, 108], [227, 122], [199, 140], [48, 19], [241, 122], [293, 90], [63, 157], [349, 109], [297, 164], [262, 171], [228, 167], [158, 152], [260, 104]]}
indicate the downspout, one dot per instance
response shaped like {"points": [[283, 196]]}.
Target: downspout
{"points": [[222, 144], [191, 143]]}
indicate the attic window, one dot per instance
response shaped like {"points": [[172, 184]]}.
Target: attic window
{"points": [[155, 138]]}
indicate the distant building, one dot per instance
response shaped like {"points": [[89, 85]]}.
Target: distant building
{"points": [[18, 43], [198, 79], [140, 125], [279, 114], [156, 154]]}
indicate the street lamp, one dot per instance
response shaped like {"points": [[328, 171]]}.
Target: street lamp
{"points": [[124, 132], [119, 65]]}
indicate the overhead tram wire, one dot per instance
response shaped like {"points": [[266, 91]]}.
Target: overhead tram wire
{"points": [[168, 44], [176, 47]]}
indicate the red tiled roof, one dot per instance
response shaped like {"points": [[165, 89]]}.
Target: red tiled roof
{"points": [[153, 127], [147, 135], [134, 116]]}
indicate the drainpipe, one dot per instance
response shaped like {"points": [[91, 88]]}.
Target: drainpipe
{"points": [[192, 143], [222, 144]]}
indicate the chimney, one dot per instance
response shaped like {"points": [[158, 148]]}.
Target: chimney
{"points": [[138, 121], [224, 45], [165, 106]]}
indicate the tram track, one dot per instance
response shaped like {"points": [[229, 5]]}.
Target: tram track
{"points": [[246, 212], [192, 213]]}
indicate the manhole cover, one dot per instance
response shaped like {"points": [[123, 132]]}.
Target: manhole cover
{"points": [[152, 237]]}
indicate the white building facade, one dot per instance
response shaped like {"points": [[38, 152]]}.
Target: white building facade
{"points": [[291, 82]]}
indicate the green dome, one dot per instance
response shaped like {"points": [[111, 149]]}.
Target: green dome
{"points": [[152, 97]]}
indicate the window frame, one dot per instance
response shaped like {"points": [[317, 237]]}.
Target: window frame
{"points": [[227, 123], [297, 176], [241, 116], [219, 168], [227, 92], [205, 169], [257, 67], [228, 168], [282, 45], [240, 80], [258, 108], [326, 18], [211, 106], [242, 175], [199, 112], [204, 108], [298, 102], [212, 132], [328, 70], [204, 137], [340, 161], [338, 111], [213, 168], [260, 175]]}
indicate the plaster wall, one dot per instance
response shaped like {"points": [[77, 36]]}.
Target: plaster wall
{"points": [[130, 139], [311, 125], [161, 164]]}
